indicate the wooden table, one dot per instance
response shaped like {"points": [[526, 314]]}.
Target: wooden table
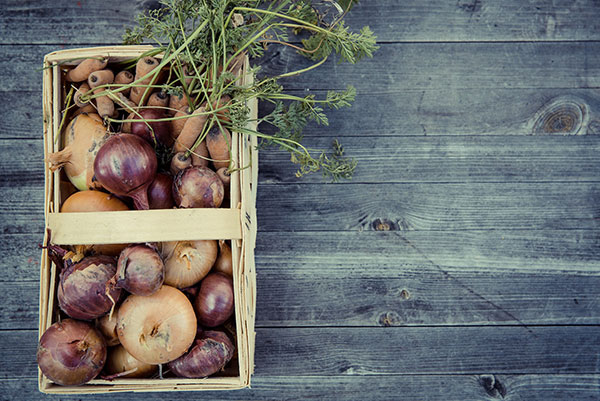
{"points": [[460, 263]]}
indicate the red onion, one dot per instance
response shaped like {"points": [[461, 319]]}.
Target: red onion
{"points": [[154, 132], [126, 165], [160, 192], [197, 186], [209, 354], [140, 270], [84, 291], [71, 352], [214, 304]]}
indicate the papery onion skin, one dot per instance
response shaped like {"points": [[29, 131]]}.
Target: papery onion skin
{"points": [[158, 328], [126, 165], [224, 262], [188, 262], [210, 353], [82, 292], [215, 300], [160, 192], [161, 130], [96, 201], [82, 139], [71, 352], [197, 187], [107, 326], [140, 270], [119, 361]]}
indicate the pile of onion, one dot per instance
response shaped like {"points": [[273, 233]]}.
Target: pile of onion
{"points": [[158, 328], [140, 270], [126, 165], [82, 140], [188, 262], [83, 292], [95, 201], [71, 352]]}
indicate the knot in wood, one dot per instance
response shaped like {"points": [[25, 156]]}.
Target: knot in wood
{"points": [[384, 225], [564, 115]]}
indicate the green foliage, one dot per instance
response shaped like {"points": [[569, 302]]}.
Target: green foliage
{"points": [[207, 36]]}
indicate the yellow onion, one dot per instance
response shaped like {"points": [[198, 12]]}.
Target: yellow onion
{"points": [[107, 325], [157, 328], [95, 201], [120, 361], [188, 262], [224, 262], [82, 139]]}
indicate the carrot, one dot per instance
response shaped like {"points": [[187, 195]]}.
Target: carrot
{"points": [[142, 68], [218, 143], [106, 106], [192, 128], [85, 68], [179, 162], [177, 125], [177, 103], [126, 127], [223, 115], [159, 98], [200, 155], [82, 90], [124, 78]]}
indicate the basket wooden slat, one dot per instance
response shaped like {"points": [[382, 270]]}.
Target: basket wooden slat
{"points": [[236, 223]]}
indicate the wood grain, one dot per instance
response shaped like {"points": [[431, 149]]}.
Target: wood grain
{"points": [[399, 67], [484, 387], [418, 350], [396, 207], [69, 22], [410, 112]]}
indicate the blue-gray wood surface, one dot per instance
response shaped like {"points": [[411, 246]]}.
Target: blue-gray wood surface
{"points": [[461, 262]]}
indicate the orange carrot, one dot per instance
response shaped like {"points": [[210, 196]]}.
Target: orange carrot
{"points": [[82, 90], [177, 125], [218, 143], [159, 98], [179, 162], [124, 78], [177, 103], [142, 68], [192, 128], [106, 106], [200, 155], [85, 68]]}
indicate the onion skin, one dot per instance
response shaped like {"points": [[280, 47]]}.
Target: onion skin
{"points": [[140, 270], [96, 201], [160, 192], [158, 328], [71, 352], [82, 140], [212, 350], [224, 262], [126, 165], [161, 129], [83, 287], [107, 326], [197, 187], [119, 361], [188, 262], [214, 303]]}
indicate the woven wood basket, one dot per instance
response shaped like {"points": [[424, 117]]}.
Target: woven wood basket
{"points": [[236, 223]]}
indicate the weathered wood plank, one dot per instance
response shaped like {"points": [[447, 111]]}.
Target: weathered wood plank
{"points": [[398, 207], [374, 254], [398, 67], [397, 159], [67, 23], [433, 296], [484, 387], [391, 350], [378, 113]]}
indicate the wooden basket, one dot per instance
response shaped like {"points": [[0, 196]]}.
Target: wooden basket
{"points": [[236, 223]]}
